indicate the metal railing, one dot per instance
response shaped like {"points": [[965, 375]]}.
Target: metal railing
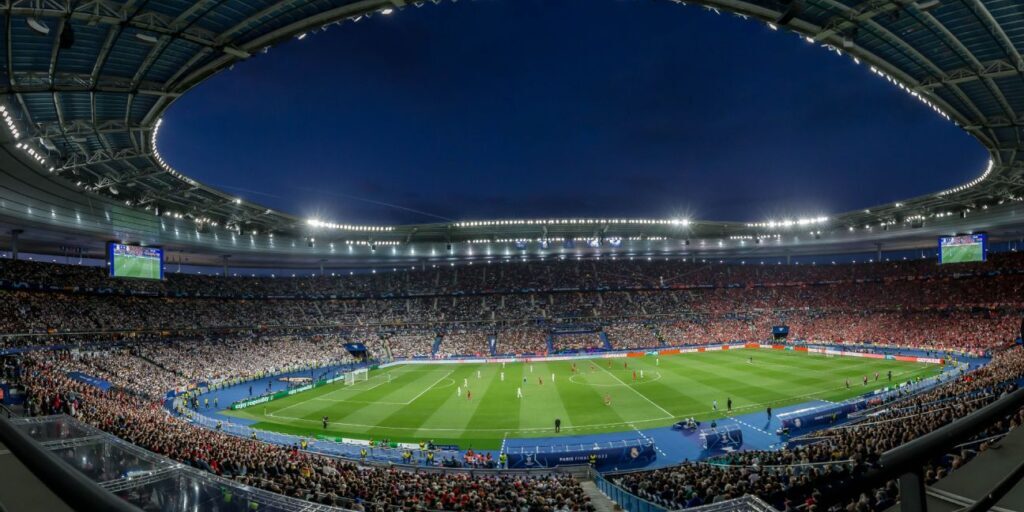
{"points": [[746, 503], [69, 485], [628, 501], [906, 461], [633, 503]]}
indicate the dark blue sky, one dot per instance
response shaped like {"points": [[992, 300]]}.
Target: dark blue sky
{"points": [[542, 108]]}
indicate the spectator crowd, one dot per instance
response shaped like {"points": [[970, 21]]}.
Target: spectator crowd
{"points": [[147, 338]]}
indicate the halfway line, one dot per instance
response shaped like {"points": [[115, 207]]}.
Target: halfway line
{"points": [[667, 414]]}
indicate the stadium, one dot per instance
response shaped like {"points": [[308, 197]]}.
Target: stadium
{"points": [[166, 344]]}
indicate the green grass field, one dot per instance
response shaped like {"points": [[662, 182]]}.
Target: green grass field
{"points": [[420, 403], [133, 266], [962, 253]]}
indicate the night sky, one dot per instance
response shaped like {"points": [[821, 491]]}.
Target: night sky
{"points": [[560, 108]]}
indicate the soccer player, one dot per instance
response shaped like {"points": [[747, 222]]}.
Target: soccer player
{"points": [[750, 360], [769, 412], [728, 404], [641, 374], [469, 395], [876, 376], [478, 374], [657, 361], [465, 382], [607, 399], [458, 391], [325, 420], [519, 392], [558, 425], [531, 368], [847, 383], [540, 381], [552, 378], [714, 405], [890, 375], [634, 375], [865, 380], [503, 376]]}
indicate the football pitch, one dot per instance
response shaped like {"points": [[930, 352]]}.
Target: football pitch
{"points": [[962, 253], [134, 266], [419, 402]]}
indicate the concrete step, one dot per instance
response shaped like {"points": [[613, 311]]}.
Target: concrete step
{"points": [[600, 502]]}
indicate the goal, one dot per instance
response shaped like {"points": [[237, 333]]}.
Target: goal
{"points": [[360, 375]]}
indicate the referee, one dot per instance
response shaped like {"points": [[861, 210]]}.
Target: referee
{"points": [[558, 425]]}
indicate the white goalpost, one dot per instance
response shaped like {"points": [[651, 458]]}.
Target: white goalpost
{"points": [[360, 375]]}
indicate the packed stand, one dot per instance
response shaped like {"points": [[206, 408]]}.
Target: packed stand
{"points": [[285, 470], [522, 341], [796, 476]]}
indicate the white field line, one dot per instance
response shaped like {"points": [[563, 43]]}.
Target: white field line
{"points": [[285, 408], [436, 382], [451, 382], [660, 408], [741, 422], [431, 429], [639, 383], [379, 380], [344, 388], [598, 426]]}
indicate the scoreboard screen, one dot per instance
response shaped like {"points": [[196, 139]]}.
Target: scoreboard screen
{"points": [[963, 248], [135, 261]]}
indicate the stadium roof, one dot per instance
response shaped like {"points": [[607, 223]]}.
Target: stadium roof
{"points": [[86, 84]]}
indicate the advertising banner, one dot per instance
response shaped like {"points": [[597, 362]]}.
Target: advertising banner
{"points": [[604, 457]]}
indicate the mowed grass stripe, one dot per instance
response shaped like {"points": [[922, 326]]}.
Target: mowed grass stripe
{"points": [[718, 381], [371, 397], [497, 403], [584, 403], [415, 406], [433, 399], [682, 391], [130, 266], [376, 405]]}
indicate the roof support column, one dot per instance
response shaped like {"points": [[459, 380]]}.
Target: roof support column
{"points": [[14, 242]]}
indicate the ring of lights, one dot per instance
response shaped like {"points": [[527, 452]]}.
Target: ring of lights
{"points": [[223, 223]]}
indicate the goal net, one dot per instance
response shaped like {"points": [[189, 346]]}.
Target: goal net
{"points": [[360, 375]]}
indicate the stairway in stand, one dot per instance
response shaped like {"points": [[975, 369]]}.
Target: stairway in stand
{"points": [[600, 502]]}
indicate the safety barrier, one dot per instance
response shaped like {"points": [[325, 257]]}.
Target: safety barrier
{"points": [[629, 502]]}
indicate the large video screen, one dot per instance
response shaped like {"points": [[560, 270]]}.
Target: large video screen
{"points": [[135, 261], [963, 248]]}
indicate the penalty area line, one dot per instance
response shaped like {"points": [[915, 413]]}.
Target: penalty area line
{"points": [[429, 387]]}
